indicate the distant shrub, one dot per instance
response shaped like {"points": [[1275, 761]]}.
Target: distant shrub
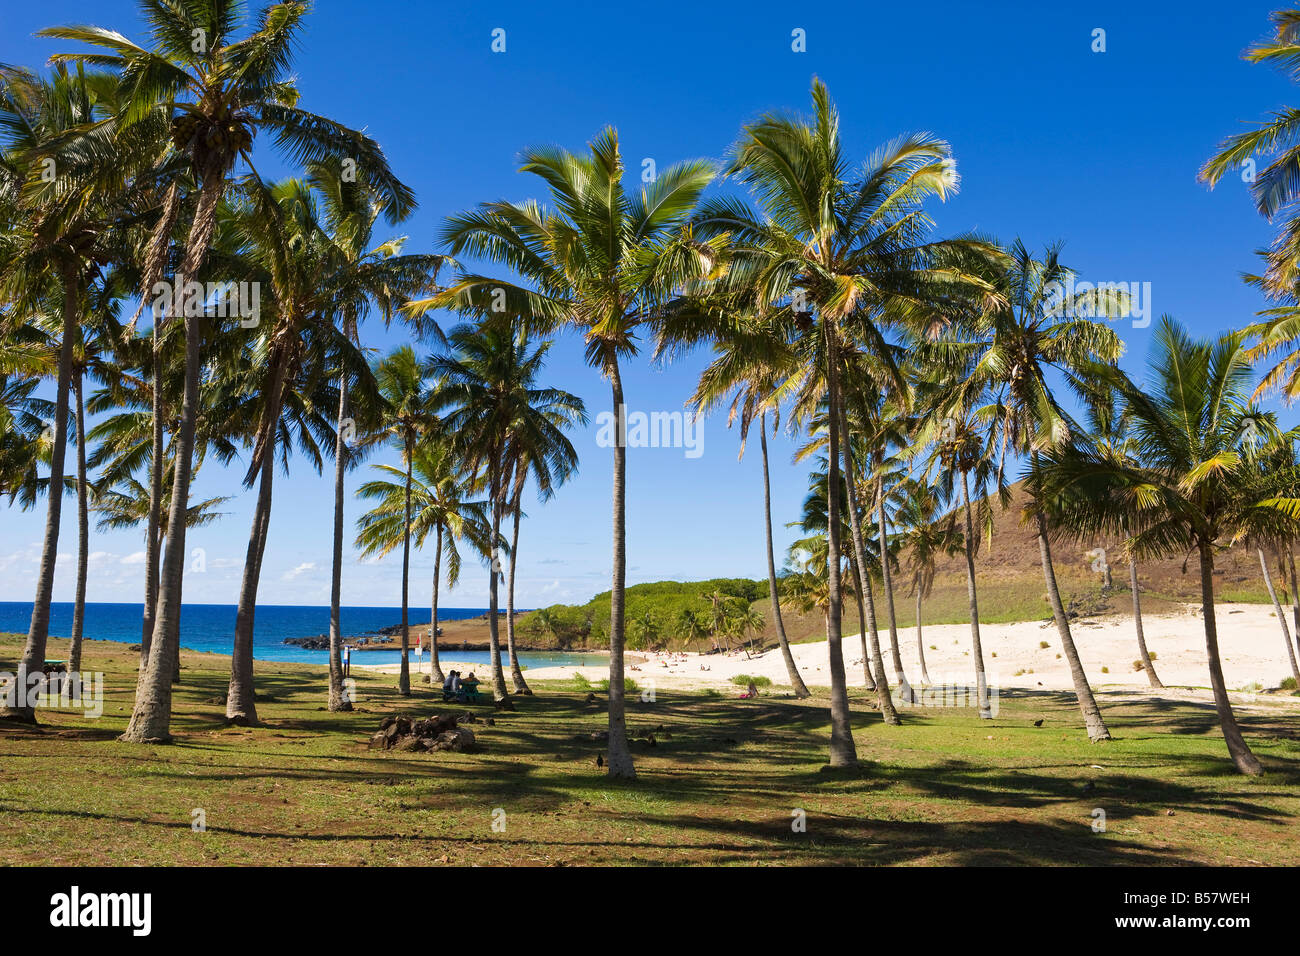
{"points": [[1151, 654], [744, 680], [1137, 665], [1044, 645], [1105, 670], [629, 685], [582, 682], [995, 653], [1288, 683]]}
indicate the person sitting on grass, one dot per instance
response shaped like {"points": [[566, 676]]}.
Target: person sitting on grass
{"points": [[750, 692], [451, 686], [469, 687]]}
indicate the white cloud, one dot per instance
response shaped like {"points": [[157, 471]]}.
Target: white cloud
{"points": [[299, 570], [137, 557]]}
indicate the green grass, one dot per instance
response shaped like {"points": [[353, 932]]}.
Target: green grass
{"points": [[718, 787]]}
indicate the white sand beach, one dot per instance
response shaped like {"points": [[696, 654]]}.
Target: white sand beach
{"points": [[1250, 641]]}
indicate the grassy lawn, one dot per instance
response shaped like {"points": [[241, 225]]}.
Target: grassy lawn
{"points": [[719, 787]]}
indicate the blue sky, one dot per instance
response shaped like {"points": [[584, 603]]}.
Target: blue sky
{"points": [[1052, 140]]}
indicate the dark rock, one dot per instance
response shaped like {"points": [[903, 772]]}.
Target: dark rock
{"points": [[460, 740]]}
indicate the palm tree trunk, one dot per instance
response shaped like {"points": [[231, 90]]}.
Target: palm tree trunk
{"points": [[843, 753], [1295, 596], [151, 717], [337, 698], [904, 688], [1245, 761], [241, 707], [1092, 719], [1143, 656], [920, 643], [83, 532], [868, 662], [436, 676], [791, 669], [886, 700], [1277, 606], [977, 651], [499, 693], [516, 672], [404, 675], [619, 756], [153, 535], [32, 664]]}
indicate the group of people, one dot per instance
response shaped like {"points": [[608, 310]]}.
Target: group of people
{"points": [[459, 688]]}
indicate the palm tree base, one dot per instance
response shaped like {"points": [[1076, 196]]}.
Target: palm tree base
{"points": [[129, 738], [19, 715]]}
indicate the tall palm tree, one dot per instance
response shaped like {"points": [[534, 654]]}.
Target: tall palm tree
{"points": [[1193, 488], [362, 277], [927, 534], [66, 200], [1035, 327], [409, 421], [752, 357], [845, 255], [1108, 434], [218, 92], [961, 452], [95, 340], [439, 507], [285, 247], [605, 262], [511, 429]]}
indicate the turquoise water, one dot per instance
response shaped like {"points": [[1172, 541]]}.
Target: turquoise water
{"points": [[211, 627]]}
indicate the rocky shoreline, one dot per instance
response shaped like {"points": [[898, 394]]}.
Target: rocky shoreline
{"points": [[451, 637]]}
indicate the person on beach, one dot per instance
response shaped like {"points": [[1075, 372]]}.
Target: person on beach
{"points": [[451, 686]]}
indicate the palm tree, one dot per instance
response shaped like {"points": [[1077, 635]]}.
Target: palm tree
{"points": [[1108, 434], [538, 448], [688, 626], [752, 356], [1276, 187], [845, 256], [604, 262], [961, 452], [361, 277], [439, 507], [814, 519], [511, 429], [409, 421], [60, 238], [285, 245], [95, 340], [1034, 327], [1193, 489], [218, 92], [926, 535]]}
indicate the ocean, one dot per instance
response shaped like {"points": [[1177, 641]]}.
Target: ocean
{"points": [[211, 627]]}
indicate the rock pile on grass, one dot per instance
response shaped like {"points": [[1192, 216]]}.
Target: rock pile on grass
{"points": [[439, 732]]}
